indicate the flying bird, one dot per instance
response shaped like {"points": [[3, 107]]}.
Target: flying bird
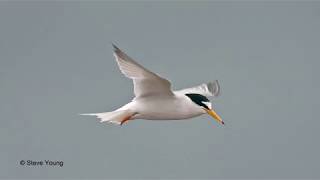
{"points": [[154, 99]]}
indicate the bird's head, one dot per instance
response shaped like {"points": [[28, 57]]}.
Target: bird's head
{"points": [[205, 104]]}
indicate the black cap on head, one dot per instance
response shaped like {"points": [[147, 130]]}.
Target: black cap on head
{"points": [[199, 99]]}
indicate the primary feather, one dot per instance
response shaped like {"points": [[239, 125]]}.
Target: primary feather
{"points": [[145, 82]]}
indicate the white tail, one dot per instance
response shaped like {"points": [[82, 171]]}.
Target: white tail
{"points": [[115, 117]]}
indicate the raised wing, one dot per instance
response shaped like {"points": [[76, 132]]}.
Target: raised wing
{"points": [[208, 89], [145, 82]]}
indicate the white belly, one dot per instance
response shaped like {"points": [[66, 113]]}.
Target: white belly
{"points": [[165, 108]]}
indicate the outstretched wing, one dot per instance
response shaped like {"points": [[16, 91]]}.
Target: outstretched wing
{"points": [[208, 89], [145, 82]]}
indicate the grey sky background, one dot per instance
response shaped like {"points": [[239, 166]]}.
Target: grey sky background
{"points": [[56, 62]]}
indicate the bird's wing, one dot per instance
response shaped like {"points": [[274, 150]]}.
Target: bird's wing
{"points": [[208, 89], [145, 82]]}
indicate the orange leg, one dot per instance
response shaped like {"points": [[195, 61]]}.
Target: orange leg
{"points": [[125, 120]]}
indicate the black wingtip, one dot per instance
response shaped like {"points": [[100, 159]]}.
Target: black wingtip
{"points": [[115, 48]]}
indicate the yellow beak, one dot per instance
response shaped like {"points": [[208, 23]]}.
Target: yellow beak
{"points": [[214, 115]]}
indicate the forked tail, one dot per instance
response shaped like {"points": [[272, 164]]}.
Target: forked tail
{"points": [[115, 117]]}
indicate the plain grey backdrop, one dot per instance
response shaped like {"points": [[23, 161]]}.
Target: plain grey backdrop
{"points": [[56, 62]]}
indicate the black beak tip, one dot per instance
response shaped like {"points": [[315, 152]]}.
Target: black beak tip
{"points": [[115, 48]]}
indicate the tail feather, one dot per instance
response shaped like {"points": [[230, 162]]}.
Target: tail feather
{"points": [[115, 117]]}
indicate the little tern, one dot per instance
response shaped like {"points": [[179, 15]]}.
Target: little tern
{"points": [[154, 99]]}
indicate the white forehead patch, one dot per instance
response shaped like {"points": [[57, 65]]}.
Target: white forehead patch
{"points": [[207, 104]]}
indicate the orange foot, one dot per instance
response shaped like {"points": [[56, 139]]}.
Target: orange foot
{"points": [[125, 120]]}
